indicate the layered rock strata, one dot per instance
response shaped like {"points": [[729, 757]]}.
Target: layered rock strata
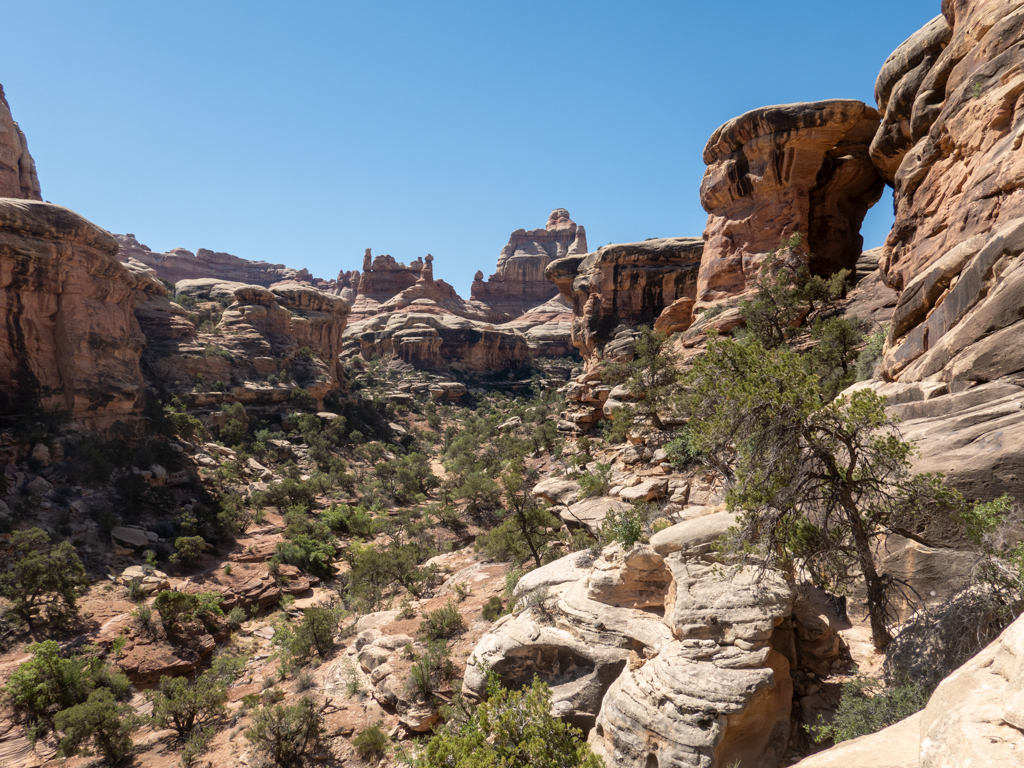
{"points": [[181, 264], [383, 277], [952, 97], [266, 344], [620, 287], [673, 659], [779, 171], [518, 283], [70, 339], [18, 177]]}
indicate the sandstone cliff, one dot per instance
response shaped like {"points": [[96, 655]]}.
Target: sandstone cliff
{"points": [[180, 264], [620, 287], [70, 340], [17, 168]]}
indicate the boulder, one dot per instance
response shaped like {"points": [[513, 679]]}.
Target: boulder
{"points": [[590, 513], [129, 537], [648, 490], [557, 490], [695, 537]]}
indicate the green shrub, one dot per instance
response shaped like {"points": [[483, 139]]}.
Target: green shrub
{"points": [[443, 623], [40, 574], [626, 526], [493, 609], [179, 607], [681, 450], [596, 483], [48, 682], [103, 721], [351, 521], [868, 358], [197, 744], [287, 735], [316, 633], [371, 743], [188, 549], [866, 707], [431, 670], [183, 705]]}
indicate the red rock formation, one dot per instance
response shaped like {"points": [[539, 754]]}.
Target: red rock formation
{"points": [[519, 282], [621, 287], [384, 277], [777, 171], [260, 334], [181, 264], [70, 339], [17, 168], [429, 326]]}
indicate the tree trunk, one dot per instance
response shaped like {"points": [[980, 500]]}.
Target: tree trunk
{"points": [[880, 636], [525, 528]]}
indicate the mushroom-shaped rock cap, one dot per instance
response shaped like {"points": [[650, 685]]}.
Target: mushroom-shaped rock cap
{"points": [[839, 114]]}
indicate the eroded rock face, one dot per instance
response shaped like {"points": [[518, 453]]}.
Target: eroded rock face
{"points": [[17, 168], [668, 656], [383, 277], [624, 286], [430, 327], [782, 170], [518, 283], [949, 142], [70, 339], [181, 264], [261, 333]]}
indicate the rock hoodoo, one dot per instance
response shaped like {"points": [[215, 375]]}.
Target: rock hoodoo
{"points": [[778, 171], [519, 283]]}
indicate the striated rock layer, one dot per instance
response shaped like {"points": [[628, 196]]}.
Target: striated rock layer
{"points": [[17, 168], [181, 264], [70, 340], [519, 283], [784, 170], [952, 97], [620, 287], [262, 333]]}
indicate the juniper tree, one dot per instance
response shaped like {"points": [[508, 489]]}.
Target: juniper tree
{"points": [[817, 481]]}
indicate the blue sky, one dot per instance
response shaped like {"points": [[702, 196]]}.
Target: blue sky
{"points": [[304, 132]]}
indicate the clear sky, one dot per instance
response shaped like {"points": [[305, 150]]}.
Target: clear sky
{"points": [[304, 132]]}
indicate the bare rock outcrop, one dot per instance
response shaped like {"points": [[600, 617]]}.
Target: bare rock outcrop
{"points": [[620, 287], [261, 334], [70, 340], [782, 170], [668, 656], [18, 176], [429, 326], [950, 143], [974, 718], [383, 277], [518, 283], [181, 264]]}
